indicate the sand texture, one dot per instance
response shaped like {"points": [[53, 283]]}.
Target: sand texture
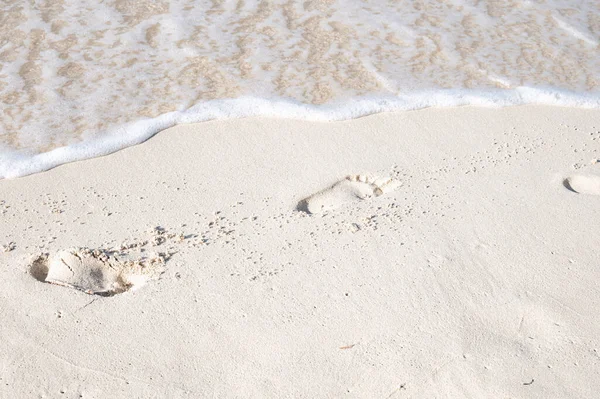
{"points": [[427, 254]]}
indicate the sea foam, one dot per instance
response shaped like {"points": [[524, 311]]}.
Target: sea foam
{"points": [[84, 79], [15, 165]]}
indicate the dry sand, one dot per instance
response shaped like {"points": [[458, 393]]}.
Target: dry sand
{"points": [[478, 276]]}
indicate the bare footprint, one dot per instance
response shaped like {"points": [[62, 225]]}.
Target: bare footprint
{"points": [[586, 183], [353, 188], [95, 271]]}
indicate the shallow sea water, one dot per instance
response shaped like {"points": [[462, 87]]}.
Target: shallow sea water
{"points": [[80, 78]]}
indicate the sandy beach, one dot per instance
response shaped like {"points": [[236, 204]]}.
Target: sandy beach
{"points": [[477, 277]]}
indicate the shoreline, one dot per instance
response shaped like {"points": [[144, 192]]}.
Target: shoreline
{"points": [[14, 163], [478, 276]]}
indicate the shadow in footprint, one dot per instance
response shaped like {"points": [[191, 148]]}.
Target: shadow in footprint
{"points": [[302, 206], [39, 268], [568, 186]]}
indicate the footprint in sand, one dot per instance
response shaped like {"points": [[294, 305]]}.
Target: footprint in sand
{"points": [[351, 189], [585, 183], [95, 271]]}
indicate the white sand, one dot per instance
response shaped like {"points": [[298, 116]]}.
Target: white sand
{"points": [[478, 277]]}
